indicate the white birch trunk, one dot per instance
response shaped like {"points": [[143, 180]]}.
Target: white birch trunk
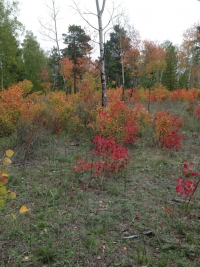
{"points": [[101, 46], [190, 72]]}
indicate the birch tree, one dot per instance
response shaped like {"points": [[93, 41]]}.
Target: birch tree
{"points": [[101, 47], [99, 14], [190, 46]]}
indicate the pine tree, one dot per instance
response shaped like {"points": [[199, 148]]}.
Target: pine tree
{"points": [[170, 73], [78, 46], [114, 51]]}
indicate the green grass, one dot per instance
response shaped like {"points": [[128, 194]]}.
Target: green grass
{"points": [[78, 221]]}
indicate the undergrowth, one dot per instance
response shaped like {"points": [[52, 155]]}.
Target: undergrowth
{"points": [[130, 218]]}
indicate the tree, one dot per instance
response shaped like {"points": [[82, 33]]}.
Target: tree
{"points": [[101, 48], [50, 31], [44, 79], [191, 49], [170, 75], [34, 59], [56, 72], [78, 47], [114, 54], [100, 29], [127, 42], [67, 68], [197, 43], [10, 53], [132, 63], [152, 63], [182, 67]]}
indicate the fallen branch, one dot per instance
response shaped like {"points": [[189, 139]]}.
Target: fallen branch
{"points": [[147, 233], [131, 236]]}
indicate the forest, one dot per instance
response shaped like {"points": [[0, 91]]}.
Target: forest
{"points": [[129, 61], [99, 157]]}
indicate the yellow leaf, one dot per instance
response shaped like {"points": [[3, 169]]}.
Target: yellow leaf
{"points": [[23, 209], [7, 162], [3, 191], [4, 174], [9, 153], [13, 195]]}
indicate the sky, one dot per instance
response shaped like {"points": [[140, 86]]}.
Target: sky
{"points": [[156, 20]]}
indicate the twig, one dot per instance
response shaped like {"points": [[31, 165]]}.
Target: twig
{"points": [[147, 233], [178, 200], [131, 236]]}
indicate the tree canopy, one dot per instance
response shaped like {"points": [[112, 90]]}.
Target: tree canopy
{"points": [[10, 54], [33, 58], [78, 47]]}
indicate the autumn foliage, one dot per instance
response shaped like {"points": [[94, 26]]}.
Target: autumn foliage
{"points": [[12, 106], [5, 194], [110, 157], [123, 121], [186, 186], [168, 130]]}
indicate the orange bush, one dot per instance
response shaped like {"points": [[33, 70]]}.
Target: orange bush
{"points": [[167, 129], [190, 95], [12, 102], [52, 112], [11, 106], [120, 122], [142, 115]]}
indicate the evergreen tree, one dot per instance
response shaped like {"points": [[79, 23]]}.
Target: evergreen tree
{"points": [[54, 65], [78, 46], [170, 73], [183, 79], [34, 59], [10, 54], [114, 52]]}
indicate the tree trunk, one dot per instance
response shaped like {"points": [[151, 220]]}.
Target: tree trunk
{"points": [[123, 79], [189, 74], [53, 30], [101, 46], [122, 61], [75, 79], [57, 44]]}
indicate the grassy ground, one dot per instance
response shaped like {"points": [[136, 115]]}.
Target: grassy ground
{"points": [[76, 220]]}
